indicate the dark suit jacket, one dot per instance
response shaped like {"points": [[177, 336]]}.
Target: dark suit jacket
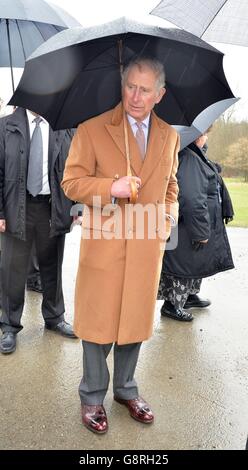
{"points": [[14, 153]]}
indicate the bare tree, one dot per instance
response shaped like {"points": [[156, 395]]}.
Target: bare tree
{"points": [[237, 156], [223, 135], [229, 115]]}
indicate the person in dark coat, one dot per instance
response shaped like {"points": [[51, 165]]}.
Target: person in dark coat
{"points": [[203, 248], [33, 207], [33, 276]]}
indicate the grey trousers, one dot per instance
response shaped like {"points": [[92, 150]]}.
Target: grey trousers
{"points": [[94, 384]]}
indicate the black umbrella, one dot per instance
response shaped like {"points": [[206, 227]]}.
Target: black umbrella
{"points": [[76, 74], [217, 21], [25, 25]]}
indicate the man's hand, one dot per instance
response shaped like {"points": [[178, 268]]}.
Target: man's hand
{"points": [[121, 187], [2, 225], [203, 241]]}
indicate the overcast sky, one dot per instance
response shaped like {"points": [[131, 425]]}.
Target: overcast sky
{"points": [[99, 11]]}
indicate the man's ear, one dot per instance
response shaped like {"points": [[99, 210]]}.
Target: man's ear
{"points": [[162, 92]]}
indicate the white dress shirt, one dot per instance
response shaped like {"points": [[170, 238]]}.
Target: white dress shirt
{"points": [[44, 126]]}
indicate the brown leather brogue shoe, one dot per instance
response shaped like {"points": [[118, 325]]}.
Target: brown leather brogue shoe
{"points": [[138, 409], [94, 418]]}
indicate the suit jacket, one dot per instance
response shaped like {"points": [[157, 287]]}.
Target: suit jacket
{"points": [[118, 273], [14, 154]]}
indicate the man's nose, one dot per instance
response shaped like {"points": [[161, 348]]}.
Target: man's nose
{"points": [[136, 95]]}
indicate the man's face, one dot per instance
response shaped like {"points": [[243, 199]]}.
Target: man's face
{"points": [[201, 141], [140, 92]]}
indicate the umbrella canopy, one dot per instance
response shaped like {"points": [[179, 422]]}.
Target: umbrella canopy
{"points": [[25, 25], [76, 74], [203, 121], [215, 21]]}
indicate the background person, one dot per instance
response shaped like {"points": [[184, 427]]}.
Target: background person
{"points": [[33, 207], [203, 248]]}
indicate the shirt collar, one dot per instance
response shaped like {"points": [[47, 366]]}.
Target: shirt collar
{"points": [[145, 121], [31, 118]]}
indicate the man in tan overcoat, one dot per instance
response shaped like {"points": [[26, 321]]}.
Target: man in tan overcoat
{"points": [[122, 244]]}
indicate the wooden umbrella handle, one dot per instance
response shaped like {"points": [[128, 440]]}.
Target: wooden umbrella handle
{"points": [[132, 182], [134, 191]]}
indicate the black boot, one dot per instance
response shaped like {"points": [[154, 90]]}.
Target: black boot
{"points": [[194, 301], [169, 310]]}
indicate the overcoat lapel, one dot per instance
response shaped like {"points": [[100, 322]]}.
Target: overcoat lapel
{"points": [[116, 130], [55, 142], [157, 139]]}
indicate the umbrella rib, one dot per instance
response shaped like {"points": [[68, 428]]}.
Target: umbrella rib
{"points": [[10, 56], [40, 32], [102, 67], [19, 31], [220, 8], [184, 113], [218, 80], [81, 71]]}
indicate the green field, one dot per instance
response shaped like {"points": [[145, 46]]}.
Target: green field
{"points": [[239, 193]]}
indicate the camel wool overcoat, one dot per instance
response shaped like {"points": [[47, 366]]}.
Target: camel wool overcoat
{"points": [[122, 245]]}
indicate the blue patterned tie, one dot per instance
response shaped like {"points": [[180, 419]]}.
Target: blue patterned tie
{"points": [[35, 164]]}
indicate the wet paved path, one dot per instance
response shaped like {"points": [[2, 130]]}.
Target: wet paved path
{"points": [[195, 376]]}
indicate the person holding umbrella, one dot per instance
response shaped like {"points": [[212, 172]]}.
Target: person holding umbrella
{"points": [[119, 270]]}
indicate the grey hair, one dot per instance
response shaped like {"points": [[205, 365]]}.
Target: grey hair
{"points": [[153, 64]]}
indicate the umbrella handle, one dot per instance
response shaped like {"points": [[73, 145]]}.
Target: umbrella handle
{"points": [[134, 191], [132, 182]]}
